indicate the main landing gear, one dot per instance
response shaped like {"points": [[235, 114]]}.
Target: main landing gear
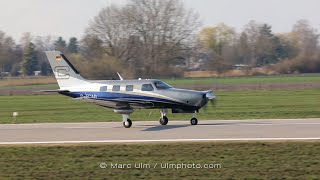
{"points": [[164, 119], [125, 112], [127, 123]]}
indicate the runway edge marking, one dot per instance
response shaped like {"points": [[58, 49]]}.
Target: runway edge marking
{"points": [[158, 140]]}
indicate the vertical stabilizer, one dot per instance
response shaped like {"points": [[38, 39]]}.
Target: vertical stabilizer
{"points": [[64, 72]]}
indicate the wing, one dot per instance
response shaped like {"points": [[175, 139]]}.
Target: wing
{"points": [[118, 103], [55, 90]]}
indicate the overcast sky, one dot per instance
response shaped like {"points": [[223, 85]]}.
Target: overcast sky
{"points": [[69, 18]]}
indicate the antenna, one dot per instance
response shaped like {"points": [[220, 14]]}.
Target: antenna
{"points": [[120, 76]]}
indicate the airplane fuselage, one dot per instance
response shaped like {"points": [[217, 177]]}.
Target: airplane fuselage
{"points": [[150, 94]]}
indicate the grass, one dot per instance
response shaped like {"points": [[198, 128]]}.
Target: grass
{"points": [[34, 86], [248, 80], [25, 81], [247, 160], [50, 82], [230, 105]]}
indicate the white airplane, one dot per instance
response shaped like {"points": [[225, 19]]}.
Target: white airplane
{"points": [[126, 95]]}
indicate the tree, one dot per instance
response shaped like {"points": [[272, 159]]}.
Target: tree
{"points": [[218, 37], [16, 60], [44, 68], [6, 52], [43, 44], [264, 47], [221, 40], [30, 61], [243, 49], [306, 37], [26, 38], [146, 35], [60, 45], [91, 47], [289, 43], [73, 45]]}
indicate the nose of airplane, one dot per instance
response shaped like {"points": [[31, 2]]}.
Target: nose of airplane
{"points": [[210, 96], [206, 97]]}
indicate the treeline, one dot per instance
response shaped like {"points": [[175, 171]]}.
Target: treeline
{"points": [[161, 38], [257, 45], [27, 57]]}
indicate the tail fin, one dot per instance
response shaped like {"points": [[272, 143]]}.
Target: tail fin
{"points": [[64, 72]]}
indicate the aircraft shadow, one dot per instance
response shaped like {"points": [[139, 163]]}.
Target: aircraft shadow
{"points": [[233, 123], [166, 127]]}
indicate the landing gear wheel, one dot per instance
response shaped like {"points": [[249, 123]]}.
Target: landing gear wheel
{"points": [[164, 120], [194, 121], [127, 124]]}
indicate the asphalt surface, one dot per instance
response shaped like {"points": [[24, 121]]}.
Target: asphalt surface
{"points": [[206, 130]]}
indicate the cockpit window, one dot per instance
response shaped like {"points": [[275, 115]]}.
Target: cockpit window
{"points": [[146, 87], [161, 85]]}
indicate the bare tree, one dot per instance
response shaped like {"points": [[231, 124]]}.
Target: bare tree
{"points": [[306, 37], [7, 46], [151, 34]]}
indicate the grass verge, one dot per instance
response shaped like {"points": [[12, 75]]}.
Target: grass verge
{"points": [[230, 105], [252, 160]]}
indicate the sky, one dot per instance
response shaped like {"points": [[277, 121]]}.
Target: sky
{"points": [[69, 18]]}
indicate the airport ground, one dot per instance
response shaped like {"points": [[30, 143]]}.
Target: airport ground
{"points": [[268, 98]]}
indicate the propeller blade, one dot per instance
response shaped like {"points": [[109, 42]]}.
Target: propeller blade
{"points": [[210, 95]]}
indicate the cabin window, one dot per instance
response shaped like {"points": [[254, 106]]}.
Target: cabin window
{"points": [[147, 87], [116, 88], [129, 87], [103, 88], [161, 85]]}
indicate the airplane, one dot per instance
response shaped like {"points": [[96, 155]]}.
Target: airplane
{"points": [[124, 96]]}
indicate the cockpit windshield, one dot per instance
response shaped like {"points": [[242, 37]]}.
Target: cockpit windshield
{"points": [[161, 85]]}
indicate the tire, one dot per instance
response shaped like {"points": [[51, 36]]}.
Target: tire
{"points": [[127, 124], [164, 120], [194, 121]]}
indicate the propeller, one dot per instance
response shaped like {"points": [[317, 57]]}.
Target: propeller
{"points": [[210, 98]]}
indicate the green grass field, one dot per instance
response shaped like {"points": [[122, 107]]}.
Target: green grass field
{"points": [[248, 80], [302, 78], [247, 160], [230, 105]]}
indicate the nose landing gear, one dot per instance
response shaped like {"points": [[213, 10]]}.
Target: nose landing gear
{"points": [[194, 120]]}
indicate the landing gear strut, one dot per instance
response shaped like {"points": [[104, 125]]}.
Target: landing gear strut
{"points": [[125, 112], [163, 119], [194, 120]]}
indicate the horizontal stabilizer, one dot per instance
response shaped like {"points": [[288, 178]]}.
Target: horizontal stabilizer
{"points": [[54, 90]]}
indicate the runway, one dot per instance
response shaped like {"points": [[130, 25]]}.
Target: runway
{"points": [[151, 131]]}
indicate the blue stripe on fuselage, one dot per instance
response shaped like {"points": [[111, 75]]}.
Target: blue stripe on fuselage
{"points": [[112, 96]]}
